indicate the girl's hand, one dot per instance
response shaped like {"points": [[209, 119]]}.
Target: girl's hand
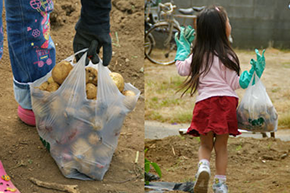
{"points": [[260, 63], [183, 46], [189, 33]]}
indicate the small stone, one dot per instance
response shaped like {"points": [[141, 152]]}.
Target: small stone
{"points": [[127, 60], [284, 156]]}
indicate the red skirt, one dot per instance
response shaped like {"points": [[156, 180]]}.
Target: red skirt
{"points": [[216, 114]]}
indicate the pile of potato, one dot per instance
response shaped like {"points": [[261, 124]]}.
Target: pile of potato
{"points": [[62, 70], [82, 133], [259, 118]]}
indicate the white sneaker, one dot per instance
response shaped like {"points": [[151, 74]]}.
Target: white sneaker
{"points": [[220, 188], [202, 179]]}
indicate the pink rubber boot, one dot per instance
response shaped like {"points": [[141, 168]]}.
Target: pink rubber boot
{"points": [[26, 115], [5, 183]]}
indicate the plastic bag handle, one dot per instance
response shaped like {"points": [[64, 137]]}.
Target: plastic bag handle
{"points": [[71, 58], [255, 76]]}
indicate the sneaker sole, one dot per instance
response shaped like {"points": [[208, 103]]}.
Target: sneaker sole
{"points": [[201, 184], [26, 116]]}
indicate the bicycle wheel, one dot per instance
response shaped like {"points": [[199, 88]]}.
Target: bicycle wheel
{"points": [[164, 49], [148, 44]]}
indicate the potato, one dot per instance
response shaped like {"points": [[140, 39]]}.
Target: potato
{"points": [[81, 149], [91, 91], [114, 112], [97, 123], [69, 113], [52, 87], [66, 94], [118, 80], [128, 93], [88, 162], [130, 99], [45, 97], [103, 153], [55, 105], [68, 167], [44, 86], [93, 138], [61, 71], [92, 75], [50, 80]]}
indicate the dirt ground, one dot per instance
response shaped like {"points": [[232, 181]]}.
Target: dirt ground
{"points": [[21, 151], [254, 165]]}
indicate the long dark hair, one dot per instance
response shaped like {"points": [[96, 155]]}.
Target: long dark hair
{"points": [[211, 40]]}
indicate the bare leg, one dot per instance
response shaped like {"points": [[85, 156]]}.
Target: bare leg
{"points": [[206, 146], [220, 146], [203, 173]]}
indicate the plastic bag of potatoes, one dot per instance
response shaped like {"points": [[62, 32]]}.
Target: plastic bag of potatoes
{"points": [[256, 111], [79, 113]]}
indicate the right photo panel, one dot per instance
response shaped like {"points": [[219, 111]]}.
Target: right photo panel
{"points": [[217, 96]]}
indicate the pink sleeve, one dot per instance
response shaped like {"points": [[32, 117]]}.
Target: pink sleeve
{"points": [[232, 78], [184, 67]]}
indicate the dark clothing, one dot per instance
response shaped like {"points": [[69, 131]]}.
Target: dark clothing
{"points": [[95, 16]]}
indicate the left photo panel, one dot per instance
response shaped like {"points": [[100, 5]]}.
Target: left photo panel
{"points": [[72, 96]]}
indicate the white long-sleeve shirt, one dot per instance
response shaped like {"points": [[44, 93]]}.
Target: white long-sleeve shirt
{"points": [[219, 81]]}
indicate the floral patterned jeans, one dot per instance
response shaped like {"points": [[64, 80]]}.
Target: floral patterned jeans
{"points": [[31, 49]]}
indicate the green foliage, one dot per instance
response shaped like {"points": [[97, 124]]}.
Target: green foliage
{"points": [[148, 165], [239, 148]]}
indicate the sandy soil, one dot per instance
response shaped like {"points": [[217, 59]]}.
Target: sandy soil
{"points": [[255, 165], [21, 151]]}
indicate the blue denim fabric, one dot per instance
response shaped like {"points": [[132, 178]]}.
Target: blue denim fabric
{"points": [[31, 50]]}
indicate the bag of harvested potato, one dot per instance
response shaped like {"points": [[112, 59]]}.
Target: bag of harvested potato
{"points": [[256, 111], [79, 113]]}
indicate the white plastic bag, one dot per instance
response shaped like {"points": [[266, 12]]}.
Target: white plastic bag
{"points": [[81, 134], [256, 111]]}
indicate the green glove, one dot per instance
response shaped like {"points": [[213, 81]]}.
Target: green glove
{"points": [[246, 77], [260, 63], [183, 46], [189, 33]]}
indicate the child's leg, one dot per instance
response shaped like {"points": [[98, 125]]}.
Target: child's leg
{"points": [[206, 146], [220, 146], [32, 52], [203, 173]]}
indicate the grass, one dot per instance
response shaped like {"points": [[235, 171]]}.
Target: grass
{"points": [[179, 117], [286, 64], [284, 120], [163, 104]]}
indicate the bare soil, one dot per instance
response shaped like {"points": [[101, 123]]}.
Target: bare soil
{"points": [[254, 165], [21, 151]]}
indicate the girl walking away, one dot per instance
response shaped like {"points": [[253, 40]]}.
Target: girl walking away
{"points": [[213, 71]]}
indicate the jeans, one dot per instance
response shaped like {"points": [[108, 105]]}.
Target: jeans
{"points": [[31, 49]]}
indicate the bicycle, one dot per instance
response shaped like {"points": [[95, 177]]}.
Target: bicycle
{"points": [[159, 43]]}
